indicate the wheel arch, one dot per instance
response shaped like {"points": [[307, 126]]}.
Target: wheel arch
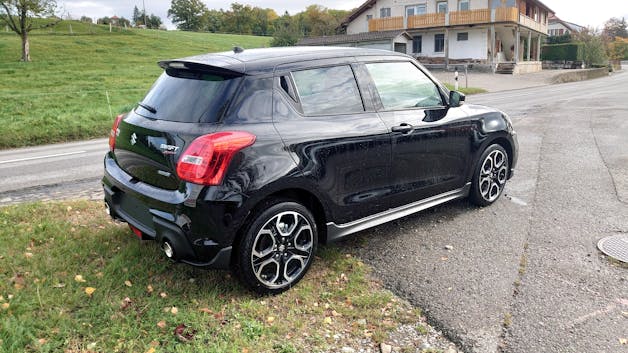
{"points": [[299, 195]]}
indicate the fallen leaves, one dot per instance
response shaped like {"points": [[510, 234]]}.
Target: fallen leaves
{"points": [[5, 306], [184, 333], [161, 324], [90, 290], [623, 341], [174, 310], [163, 295], [126, 302], [128, 283], [327, 320], [270, 319], [149, 289], [79, 278]]}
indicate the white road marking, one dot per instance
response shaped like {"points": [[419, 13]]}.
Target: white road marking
{"points": [[42, 157]]}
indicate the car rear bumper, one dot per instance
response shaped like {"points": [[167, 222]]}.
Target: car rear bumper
{"points": [[165, 216]]}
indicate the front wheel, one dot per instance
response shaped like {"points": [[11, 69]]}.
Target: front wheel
{"points": [[490, 176], [278, 247]]}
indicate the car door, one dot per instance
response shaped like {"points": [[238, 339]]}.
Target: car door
{"points": [[431, 142], [329, 125]]}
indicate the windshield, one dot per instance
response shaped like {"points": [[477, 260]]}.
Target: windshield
{"points": [[187, 96]]}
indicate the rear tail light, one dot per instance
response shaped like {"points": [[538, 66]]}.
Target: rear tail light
{"points": [[208, 157], [114, 132]]}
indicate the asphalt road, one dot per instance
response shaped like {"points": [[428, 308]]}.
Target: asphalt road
{"points": [[54, 171], [523, 275]]}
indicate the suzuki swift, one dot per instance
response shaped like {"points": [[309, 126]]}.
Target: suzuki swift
{"points": [[247, 160]]}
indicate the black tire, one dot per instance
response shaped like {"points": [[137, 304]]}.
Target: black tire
{"points": [[490, 176], [277, 247]]}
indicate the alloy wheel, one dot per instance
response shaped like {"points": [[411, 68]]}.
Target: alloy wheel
{"points": [[282, 249], [493, 175]]}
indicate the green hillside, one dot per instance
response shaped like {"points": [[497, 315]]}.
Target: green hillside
{"points": [[63, 93]]}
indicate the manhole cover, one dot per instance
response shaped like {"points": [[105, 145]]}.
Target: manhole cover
{"points": [[615, 246]]}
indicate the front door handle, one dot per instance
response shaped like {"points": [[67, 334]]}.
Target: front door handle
{"points": [[403, 128]]}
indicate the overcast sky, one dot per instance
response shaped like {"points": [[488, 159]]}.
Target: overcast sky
{"points": [[586, 14]]}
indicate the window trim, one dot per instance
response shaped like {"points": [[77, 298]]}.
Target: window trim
{"points": [[462, 36], [388, 10]]}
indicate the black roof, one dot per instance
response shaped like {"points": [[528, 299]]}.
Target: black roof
{"points": [[252, 61]]}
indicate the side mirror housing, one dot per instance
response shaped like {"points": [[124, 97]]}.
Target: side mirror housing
{"points": [[456, 98]]}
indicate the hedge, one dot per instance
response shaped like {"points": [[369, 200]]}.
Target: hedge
{"points": [[567, 51]]}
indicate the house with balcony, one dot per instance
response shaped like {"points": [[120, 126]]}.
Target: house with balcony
{"points": [[505, 35], [558, 27]]}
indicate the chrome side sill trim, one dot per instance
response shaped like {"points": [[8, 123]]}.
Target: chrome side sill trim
{"points": [[337, 231]]}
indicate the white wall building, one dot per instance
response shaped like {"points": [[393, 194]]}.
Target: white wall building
{"points": [[490, 32]]}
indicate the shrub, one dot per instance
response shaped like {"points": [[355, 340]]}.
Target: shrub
{"points": [[568, 51]]}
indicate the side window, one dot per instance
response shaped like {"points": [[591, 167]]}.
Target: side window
{"points": [[328, 90], [401, 85]]}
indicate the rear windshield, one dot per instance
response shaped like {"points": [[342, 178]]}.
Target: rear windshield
{"points": [[188, 96]]}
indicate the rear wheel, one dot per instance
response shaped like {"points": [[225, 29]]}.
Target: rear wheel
{"points": [[490, 176], [278, 247]]}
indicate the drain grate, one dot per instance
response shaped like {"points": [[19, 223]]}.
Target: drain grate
{"points": [[615, 246]]}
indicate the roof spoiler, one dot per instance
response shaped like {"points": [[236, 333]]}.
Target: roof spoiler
{"points": [[197, 66]]}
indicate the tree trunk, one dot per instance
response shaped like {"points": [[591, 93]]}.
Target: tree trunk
{"points": [[26, 51]]}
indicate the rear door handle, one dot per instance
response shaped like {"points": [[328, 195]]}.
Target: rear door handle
{"points": [[403, 128]]}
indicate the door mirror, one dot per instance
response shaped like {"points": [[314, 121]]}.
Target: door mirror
{"points": [[455, 99]]}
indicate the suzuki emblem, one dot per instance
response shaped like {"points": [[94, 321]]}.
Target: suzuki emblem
{"points": [[133, 139]]}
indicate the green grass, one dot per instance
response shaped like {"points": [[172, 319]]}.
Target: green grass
{"points": [[466, 91], [67, 91], [139, 298]]}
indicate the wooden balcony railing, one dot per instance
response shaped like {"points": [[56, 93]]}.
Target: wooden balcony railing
{"points": [[506, 14], [501, 14], [386, 24], [530, 23], [470, 17], [427, 20]]}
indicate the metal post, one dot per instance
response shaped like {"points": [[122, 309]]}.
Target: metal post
{"points": [[456, 80], [466, 76], [144, 9]]}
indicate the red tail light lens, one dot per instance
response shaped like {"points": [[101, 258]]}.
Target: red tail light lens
{"points": [[208, 157], [114, 132]]}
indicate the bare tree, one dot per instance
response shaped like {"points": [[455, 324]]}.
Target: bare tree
{"points": [[19, 15]]}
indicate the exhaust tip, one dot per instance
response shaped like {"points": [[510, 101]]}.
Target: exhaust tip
{"points": [[168, 250]]}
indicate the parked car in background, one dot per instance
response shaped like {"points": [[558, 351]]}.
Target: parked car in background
{"points": [[249, 159]]}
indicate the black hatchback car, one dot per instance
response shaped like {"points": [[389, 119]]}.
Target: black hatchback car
{"points": [[248, 159]]}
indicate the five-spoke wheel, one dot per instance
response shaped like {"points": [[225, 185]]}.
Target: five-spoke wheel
{"points": [[278, 247], [490, 176]]}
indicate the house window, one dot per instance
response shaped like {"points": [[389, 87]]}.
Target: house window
{"points": [[416, 10], [441, 7], [463, 36], [439, 43], [417, 44], [384, 12], [463, 5]]}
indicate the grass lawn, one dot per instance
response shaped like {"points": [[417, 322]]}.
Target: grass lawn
{"points": [[468, 90], [77, 82], [73, 281]]}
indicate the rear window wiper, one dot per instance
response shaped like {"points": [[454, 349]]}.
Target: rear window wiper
{"points": [[147, 107]]}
